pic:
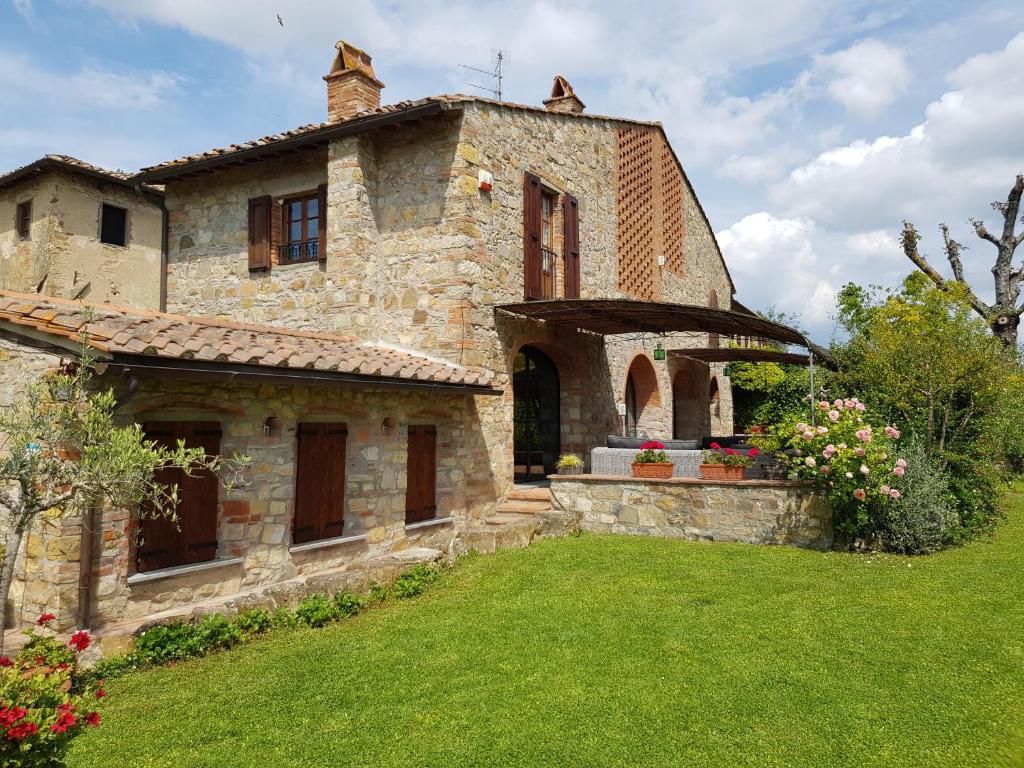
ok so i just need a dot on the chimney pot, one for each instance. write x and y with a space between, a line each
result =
352 87
563 98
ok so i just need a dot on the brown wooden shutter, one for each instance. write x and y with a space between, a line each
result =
322 220
532 264
276 231
421 474
571 247
320 482
259 232
194 538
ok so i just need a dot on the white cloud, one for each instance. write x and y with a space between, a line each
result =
874 244
24 9
866 77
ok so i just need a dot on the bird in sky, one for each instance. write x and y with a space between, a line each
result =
280 20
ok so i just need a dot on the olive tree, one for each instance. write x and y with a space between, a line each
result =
62 451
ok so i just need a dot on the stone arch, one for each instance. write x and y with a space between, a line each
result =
687 416
536 413
642 397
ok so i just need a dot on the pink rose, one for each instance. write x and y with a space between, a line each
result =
893 493
885 490
838 403
861 407
826 469
859 451
849 475
801 427
892 432
810 462
850 403
899 471
901 462
864 469
864 435
842 446
823 430
833 416
859 494
808 435
823 406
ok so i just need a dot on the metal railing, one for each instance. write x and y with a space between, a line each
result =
299 251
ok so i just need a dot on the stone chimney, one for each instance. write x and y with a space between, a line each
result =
352 87
563 98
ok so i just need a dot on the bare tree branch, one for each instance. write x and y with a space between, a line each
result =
981 231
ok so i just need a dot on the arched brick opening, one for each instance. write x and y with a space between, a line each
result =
642 398
687 418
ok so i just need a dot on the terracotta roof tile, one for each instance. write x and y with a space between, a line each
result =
115 330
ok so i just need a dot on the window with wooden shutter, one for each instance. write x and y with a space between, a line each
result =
259 232
193 539
322 222
320 482
532 243
571 247
421 474
23 220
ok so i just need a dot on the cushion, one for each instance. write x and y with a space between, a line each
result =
617 441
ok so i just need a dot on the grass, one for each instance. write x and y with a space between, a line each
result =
602 651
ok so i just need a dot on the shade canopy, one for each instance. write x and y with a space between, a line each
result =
618 316
741 355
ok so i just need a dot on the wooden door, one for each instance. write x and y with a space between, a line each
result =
421 474
320 482
193 539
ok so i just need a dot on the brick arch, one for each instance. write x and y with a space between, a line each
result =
641 368
687 411
568 371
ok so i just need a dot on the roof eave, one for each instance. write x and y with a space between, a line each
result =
369 122
48 164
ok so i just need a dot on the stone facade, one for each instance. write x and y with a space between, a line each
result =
749 511
63 255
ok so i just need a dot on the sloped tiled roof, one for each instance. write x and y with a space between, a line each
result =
115 333
312 129
71 164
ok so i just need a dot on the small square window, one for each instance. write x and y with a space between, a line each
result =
23 220
114 225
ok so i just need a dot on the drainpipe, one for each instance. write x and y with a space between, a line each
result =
85 568
164 221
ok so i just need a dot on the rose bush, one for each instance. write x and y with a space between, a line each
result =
853 464
43 703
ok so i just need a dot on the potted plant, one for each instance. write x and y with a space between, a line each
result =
652 461
569 464
725 463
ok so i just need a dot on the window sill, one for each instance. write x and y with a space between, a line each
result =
428 523
291 266
327 543
181 570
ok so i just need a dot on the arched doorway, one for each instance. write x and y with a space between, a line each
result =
536 424
686 411
641 393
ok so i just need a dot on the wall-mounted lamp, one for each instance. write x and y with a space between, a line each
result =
387 425
272 426
728 369
659 352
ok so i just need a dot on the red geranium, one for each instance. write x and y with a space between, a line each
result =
44 618
80 640
716 447
5 661
730 452
93 719
66 720
753 452
24 730
652 445
9 716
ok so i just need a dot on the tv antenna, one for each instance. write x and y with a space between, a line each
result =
499 60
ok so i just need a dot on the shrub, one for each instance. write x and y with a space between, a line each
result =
414 581
284 619
852 464
254 622
347 604
169 642
316 611
921 520
379 593
44 706
215 633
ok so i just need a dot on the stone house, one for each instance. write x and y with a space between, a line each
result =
71 229
334 301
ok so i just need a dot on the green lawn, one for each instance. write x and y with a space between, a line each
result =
620 651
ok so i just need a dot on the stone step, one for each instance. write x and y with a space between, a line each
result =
530 494
526 507
510 518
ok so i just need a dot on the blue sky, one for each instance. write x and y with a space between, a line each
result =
809 129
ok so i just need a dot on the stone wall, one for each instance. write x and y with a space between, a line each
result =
64 256
750 511
255 518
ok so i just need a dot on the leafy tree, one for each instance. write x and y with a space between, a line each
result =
61 452
1004 315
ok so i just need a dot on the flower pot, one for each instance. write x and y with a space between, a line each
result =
570 470
661 470
721 472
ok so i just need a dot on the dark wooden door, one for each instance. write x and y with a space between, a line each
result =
421 474
320 482
193 538
536 415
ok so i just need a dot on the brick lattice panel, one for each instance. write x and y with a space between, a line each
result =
672 207
635 198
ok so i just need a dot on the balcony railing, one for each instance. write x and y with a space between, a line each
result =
547 273
299 251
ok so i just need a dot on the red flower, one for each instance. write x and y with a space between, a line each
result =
19 732
40 660
652 445
753 452
12 715
716 447
67 706
44 618
100 693
65 721
93 719
5 661
729 452
80 640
